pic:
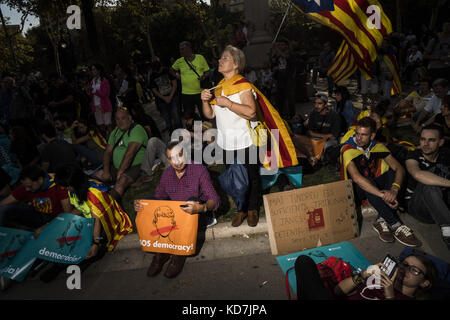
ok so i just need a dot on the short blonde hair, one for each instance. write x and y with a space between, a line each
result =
238 57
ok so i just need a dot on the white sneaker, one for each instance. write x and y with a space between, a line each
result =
212 222
156 165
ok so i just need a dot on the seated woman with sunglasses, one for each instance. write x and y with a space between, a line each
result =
412 279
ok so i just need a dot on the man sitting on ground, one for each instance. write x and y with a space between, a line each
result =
126 148
428 192
441 88
182 182
377 177
46 198
324 122
414 103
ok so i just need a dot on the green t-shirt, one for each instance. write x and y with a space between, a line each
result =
189 80
137 134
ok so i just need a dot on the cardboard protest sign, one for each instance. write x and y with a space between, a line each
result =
164 227
306 218
66 239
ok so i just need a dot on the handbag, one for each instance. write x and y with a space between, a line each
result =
234 181
258 134
205 83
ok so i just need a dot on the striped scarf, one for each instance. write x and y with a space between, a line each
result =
266 113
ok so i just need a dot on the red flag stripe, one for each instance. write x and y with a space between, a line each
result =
346 64
97 203
344 5
107 200
349 35
343 60
348 72
271 124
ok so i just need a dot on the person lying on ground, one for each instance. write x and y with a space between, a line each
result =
413 279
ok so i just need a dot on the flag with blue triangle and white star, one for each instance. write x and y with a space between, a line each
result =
309 6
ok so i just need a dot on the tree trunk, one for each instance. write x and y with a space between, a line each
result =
89 20
149 39
435 13
399 15
58 64
10 43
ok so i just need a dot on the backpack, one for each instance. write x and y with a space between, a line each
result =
332 271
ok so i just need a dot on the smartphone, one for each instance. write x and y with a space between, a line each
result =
389 265
183 206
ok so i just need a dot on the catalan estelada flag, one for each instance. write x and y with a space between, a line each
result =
353 19
375 152
100 204
310 6
391 62
99 139
284 149
343 65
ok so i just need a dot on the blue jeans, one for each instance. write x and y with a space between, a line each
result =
430 204
92 160
383 182
170 111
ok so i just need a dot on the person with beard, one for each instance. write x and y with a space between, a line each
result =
428 195
182 182
377 176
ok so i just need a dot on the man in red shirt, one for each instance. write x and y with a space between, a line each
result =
35 203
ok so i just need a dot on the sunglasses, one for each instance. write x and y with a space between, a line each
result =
412 269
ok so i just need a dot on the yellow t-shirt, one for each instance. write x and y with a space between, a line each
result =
190 84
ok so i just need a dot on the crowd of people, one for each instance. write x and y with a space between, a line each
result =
63 140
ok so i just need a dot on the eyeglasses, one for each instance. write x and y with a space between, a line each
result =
412 269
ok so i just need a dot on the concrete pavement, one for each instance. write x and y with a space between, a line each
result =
223 241
231 264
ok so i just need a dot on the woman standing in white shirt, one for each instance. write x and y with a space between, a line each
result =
232 113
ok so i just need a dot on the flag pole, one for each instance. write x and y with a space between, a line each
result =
282 22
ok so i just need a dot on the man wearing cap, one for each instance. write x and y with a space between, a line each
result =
324 122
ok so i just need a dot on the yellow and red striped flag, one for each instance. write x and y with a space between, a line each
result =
391 62
363 25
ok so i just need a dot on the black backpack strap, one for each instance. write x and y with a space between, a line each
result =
192 68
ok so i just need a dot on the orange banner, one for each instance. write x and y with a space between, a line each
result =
318 145
166 228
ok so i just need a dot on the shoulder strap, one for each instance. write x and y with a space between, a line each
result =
287 282
192 68
118 141
128 131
